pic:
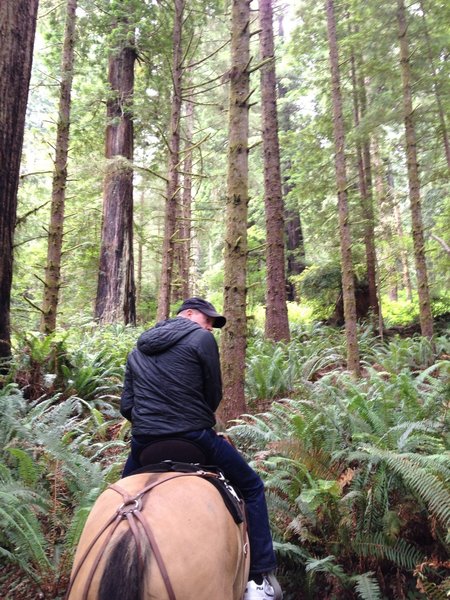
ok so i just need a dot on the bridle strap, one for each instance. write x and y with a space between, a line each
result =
94 566
158 557
115 519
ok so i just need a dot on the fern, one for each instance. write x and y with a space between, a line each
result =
326 565
27 468
424 485
401 553
291 551
78 521
12 410
22 539
367 587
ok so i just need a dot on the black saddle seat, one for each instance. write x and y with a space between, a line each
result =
174 449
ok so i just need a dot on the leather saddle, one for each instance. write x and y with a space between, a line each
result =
186 456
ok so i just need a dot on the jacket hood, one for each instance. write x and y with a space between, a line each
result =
165 334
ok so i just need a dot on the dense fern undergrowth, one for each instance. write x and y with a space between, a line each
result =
356 471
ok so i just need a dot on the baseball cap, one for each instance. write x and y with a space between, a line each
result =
204 307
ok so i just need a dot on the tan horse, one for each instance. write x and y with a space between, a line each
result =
160 536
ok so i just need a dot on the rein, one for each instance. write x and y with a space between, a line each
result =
131 510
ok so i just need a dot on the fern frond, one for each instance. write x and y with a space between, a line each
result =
80 516
295 553
326 565
424 485
367 587
29 470
400 553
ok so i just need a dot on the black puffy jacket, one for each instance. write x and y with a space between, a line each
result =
172 380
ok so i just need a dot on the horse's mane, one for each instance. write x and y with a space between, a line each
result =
123 559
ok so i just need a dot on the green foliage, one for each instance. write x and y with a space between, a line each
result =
53 459
21 539
320 285
62 437
399 312
357 471
274 370
367 586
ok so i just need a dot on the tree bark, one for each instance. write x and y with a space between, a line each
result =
234 336
116 288
276 324
172 190
295 245
406 277
437 92
186 203
391 225
17 31
365 186
56 226
426 319
348 286
181 288
140 250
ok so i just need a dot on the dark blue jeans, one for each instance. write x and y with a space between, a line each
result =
236 469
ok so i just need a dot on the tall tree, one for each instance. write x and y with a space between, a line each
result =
365 181
52 282
17 31
426 319
186 201
172 188
436 87
294 241
277 324
395 209
391 225
116 289
234 335
348 286
295 246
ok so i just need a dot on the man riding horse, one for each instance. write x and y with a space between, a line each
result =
172 388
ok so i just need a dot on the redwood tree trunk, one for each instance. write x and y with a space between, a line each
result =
56 227
348 287
426 319
17 30
277 324
181 285
186 204
436 88
172 190
365 187
406 277
116 288
295 245
234 336
391 225
140 251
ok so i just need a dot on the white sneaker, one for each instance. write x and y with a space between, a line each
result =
265 591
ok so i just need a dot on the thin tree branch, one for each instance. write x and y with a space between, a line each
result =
38 308
24 217
442 242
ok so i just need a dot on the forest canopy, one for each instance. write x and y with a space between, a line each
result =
370 68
